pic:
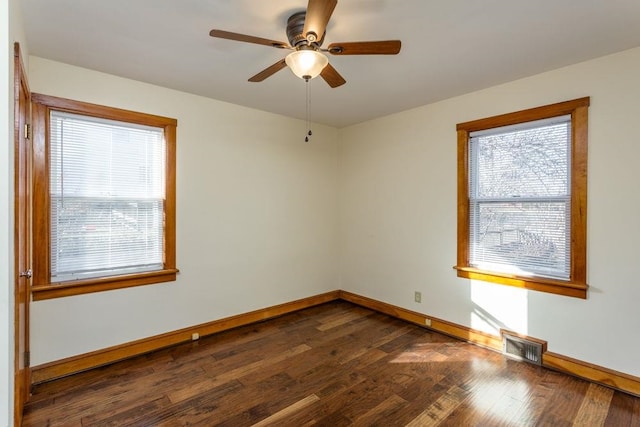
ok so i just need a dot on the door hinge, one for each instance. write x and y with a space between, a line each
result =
27 131
27 273
27 359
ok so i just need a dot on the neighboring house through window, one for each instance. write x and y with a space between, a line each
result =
522 185
104 198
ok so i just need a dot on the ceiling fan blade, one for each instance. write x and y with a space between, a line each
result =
269 71
382 47
332 77
221 34
318 15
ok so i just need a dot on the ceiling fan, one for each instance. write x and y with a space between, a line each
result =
306 32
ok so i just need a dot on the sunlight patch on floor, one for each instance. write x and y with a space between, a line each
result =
449 352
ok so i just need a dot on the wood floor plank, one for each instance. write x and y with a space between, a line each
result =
562 406
287 412
132 413
330 365
595 406
200 408
340 320
440 409
624 411
499 395
381 338
191 390
383 411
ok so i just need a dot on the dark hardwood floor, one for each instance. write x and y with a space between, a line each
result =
332 365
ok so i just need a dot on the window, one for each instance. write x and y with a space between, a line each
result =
104 198
522 198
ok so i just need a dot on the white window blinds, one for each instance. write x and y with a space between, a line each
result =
519 185
107 197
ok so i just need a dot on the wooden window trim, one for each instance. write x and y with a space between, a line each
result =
576 286
42 287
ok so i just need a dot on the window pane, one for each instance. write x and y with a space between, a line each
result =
519 199
102 158
523 163
530 238
107 197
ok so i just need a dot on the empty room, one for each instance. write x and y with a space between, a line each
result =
319 212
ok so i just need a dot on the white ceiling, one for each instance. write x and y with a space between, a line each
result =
449 47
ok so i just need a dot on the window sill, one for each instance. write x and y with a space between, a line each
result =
558 287
79 287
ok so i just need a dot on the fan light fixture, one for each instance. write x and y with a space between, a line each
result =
306 63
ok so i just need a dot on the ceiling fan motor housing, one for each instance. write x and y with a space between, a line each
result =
295 27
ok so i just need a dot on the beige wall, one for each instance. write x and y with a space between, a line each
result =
398 214
256 217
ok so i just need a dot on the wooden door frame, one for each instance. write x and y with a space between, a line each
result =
22 236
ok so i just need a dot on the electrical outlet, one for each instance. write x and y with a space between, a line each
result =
427 322
195 336
417 296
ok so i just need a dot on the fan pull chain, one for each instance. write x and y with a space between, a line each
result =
306 138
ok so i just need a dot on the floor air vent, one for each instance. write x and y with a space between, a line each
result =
522 349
